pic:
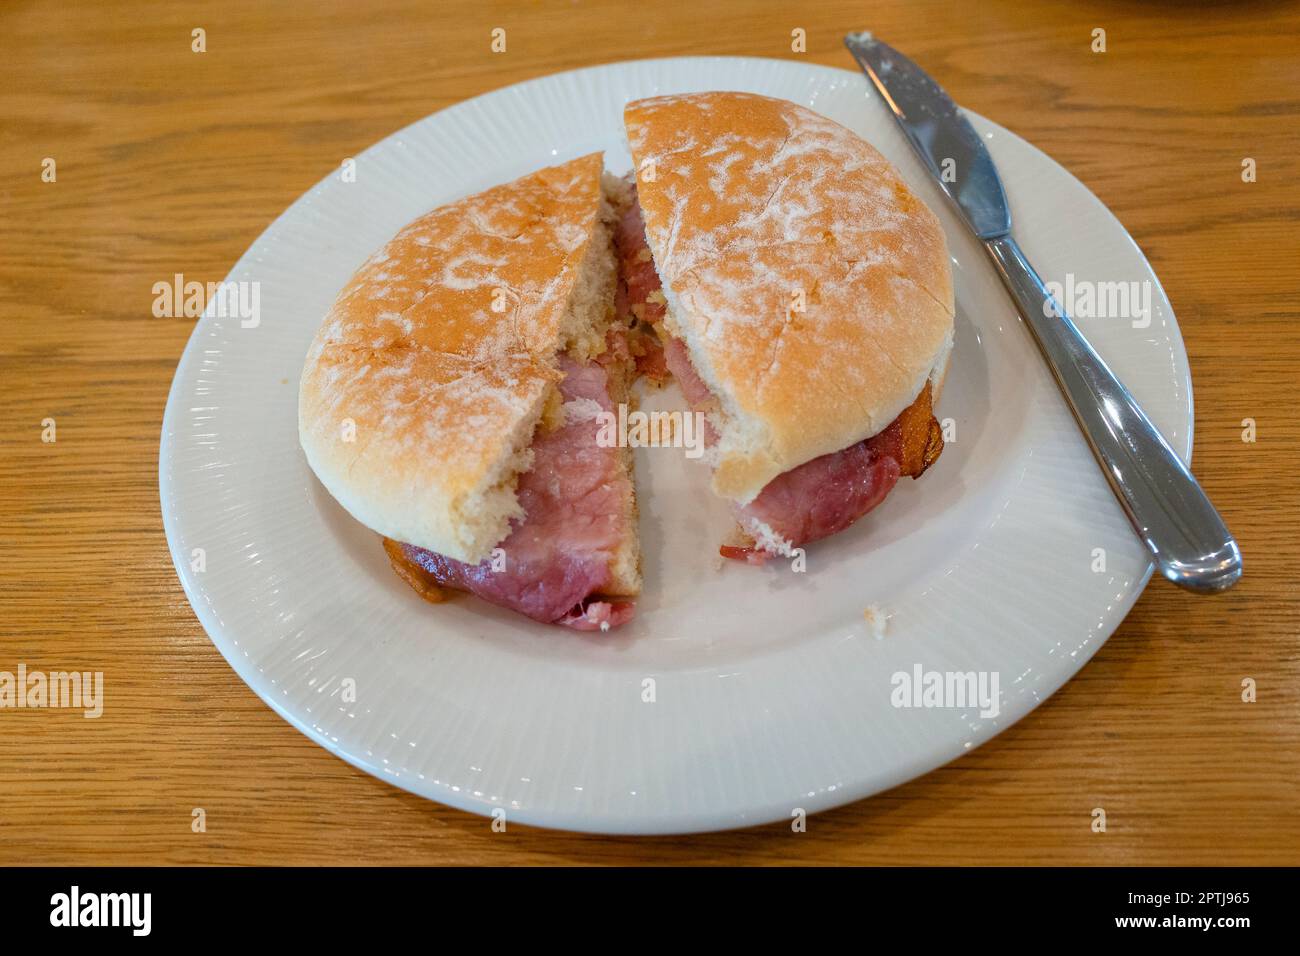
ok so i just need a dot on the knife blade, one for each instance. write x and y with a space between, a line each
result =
940 134
1163 502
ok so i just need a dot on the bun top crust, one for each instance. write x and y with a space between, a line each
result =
422 388
809 285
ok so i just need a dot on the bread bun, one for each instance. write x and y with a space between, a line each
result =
421 391
809 285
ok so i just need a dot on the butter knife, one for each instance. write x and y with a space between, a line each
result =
1167 508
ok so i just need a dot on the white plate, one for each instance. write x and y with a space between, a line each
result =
772 693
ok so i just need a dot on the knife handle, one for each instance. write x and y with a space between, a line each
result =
1166 506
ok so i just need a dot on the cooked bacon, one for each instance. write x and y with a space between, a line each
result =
639 301
819 497
679 363
749 554
598 616
645 298
697 393
557 556
648 353
826 495
914 439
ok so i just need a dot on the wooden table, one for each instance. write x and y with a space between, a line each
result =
173 161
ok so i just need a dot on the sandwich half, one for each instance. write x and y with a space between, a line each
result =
803 298
450 400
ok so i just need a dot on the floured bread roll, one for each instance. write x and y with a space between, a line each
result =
805 301
432 401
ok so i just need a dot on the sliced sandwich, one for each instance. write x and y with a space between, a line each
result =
450 400
804 301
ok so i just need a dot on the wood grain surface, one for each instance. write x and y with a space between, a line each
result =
174 161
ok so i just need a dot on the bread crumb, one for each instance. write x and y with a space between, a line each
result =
877 620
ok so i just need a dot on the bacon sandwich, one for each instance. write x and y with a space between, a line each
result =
448 399
804 300
768 259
